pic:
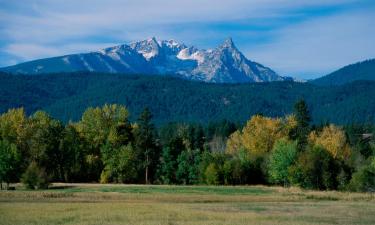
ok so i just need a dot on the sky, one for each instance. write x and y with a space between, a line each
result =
304 39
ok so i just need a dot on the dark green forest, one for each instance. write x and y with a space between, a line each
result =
364 70
66 96
104 146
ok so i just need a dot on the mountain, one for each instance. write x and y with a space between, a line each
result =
359 71
224 64
66 95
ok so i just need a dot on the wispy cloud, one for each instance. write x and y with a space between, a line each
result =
269 30
313 48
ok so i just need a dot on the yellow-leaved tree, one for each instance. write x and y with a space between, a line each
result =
260 134
333 139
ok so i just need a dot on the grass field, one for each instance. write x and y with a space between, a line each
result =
139 204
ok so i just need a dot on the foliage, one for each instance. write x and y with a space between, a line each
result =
96 127
315 169
212 174
146 145
35 177
44 143
119 164
303 119
333 139
9 162
283 155
106 146
260 134
234 143
72 155
364 179
168 162
188 167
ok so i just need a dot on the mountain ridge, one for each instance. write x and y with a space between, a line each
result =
363 70
223 64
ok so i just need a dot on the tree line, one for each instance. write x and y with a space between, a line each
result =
104 146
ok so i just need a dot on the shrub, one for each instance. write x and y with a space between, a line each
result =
35 177
212 175
364 178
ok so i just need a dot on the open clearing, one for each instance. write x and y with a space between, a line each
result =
146 204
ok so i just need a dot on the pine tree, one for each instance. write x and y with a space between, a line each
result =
302 129
147 147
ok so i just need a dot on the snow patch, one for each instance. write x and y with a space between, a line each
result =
66 60
85 63
111 69
185 54
148 55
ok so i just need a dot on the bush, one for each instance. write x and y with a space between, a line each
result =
35 177
364 178
212 175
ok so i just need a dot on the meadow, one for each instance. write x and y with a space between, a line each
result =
164 204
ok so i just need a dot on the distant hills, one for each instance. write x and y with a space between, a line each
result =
359 71
224 64
66 95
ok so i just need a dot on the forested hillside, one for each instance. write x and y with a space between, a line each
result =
65 96
358 71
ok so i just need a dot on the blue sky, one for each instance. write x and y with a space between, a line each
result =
304 38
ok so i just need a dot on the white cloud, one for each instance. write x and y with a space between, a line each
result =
51 21
31 29
317 47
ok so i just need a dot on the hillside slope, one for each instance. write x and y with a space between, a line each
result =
66 96
359 71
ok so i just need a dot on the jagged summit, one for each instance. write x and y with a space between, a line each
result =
223 64
228 43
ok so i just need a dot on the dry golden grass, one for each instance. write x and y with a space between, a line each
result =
135 204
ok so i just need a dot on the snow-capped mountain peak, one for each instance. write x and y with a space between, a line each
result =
148 48
223 64
228 43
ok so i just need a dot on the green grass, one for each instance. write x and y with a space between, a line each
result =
148 205
220 190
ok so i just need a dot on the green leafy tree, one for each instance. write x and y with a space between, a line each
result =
14 127
44 144
9 163
97 126
119 164
72 155
283 155
315 169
